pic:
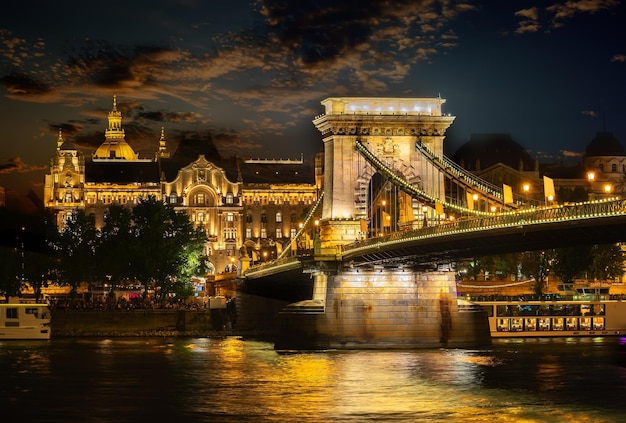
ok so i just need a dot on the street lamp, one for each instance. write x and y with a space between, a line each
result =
424 210
526 190
591 176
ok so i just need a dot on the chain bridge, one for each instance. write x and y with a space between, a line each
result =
392 216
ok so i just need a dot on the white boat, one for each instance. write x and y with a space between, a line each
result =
24 321
588 313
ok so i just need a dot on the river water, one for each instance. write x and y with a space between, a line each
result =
232 379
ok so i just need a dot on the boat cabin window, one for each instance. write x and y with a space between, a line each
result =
32 310
11 313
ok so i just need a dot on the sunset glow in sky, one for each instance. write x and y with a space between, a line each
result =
250 74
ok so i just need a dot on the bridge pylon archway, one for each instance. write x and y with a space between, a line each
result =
389 129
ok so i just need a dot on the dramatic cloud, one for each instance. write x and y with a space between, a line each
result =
563 11
17 165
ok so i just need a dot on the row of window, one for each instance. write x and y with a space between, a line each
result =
613 167
550 324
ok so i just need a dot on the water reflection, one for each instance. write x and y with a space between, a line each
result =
202 380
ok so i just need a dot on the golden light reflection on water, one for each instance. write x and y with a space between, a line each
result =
233 379
368 386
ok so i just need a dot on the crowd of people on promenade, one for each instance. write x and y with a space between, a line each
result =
123 303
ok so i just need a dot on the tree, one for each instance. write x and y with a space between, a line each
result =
10 272
168 246
571 262
115 246
76 245
505 264
607 262
536 264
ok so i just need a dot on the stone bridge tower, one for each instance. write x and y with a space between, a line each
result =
389 128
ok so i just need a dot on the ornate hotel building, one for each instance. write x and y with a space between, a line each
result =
258 204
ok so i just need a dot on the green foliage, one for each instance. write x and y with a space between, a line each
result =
10 271
76 246
607 262
113 252
536 264
168 246
150 243
571 262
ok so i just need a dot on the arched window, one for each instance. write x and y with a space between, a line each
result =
173 198
229 198
613 167
279 217
601 167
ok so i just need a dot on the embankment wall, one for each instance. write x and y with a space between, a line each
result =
137 322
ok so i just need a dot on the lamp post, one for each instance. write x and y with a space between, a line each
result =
382 217
591 178
526 190
425 222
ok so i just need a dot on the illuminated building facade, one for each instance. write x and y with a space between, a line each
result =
258 204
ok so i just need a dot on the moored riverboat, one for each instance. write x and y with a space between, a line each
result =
588 313
24 321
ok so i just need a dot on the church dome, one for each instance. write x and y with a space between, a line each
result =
605 144
118 150
66 145
485 150
115 146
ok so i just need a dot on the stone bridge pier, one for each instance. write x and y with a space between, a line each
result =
382 309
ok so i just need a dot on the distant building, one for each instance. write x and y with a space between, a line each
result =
498 159
258 204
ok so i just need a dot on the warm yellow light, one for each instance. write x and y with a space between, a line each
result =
317 222
607 188
550 198
424 209
384 203
475 197
493 209
591 176
300 225
526 188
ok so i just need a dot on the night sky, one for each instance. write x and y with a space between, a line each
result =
250 75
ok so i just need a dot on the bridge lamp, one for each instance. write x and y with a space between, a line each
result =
424 210
526 188
608 188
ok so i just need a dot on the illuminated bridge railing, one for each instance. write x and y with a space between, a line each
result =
459 174
412 190
561 213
